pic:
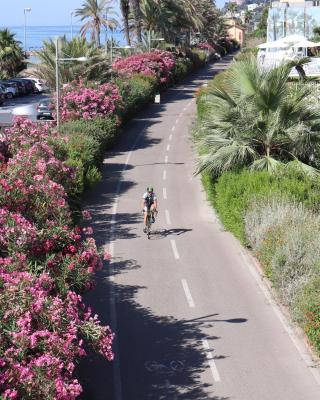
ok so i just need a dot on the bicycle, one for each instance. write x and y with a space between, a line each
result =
149 222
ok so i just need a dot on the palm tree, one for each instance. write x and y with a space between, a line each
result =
137 17
77 47
11 54
255 119
232 8
125 10
94 12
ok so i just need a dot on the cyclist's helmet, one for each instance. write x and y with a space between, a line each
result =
149 189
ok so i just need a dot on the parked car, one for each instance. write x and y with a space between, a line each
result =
44 109
29 87
21 87
2 96
39 84
9 89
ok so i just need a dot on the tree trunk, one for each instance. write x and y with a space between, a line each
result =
98 36
301 72
137 17
125 8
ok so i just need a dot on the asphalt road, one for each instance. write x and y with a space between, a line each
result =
193 317
25 105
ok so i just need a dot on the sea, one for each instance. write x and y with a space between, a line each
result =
35 35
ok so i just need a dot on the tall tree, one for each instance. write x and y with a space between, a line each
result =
125 10
94 12
11 54
77 47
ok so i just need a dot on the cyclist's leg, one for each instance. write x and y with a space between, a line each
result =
145 213
153 207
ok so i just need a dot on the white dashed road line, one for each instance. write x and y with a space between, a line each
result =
164 175
187 293
174 249
164 192
173 128
168 219
170 137
168 147
166 159
177 120
212 364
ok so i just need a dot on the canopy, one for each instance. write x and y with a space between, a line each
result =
293 39
306 43
273 45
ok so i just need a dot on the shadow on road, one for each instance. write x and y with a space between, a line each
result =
163 233
161 357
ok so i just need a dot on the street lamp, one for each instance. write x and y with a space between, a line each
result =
156 39
57 78
28 9
71 15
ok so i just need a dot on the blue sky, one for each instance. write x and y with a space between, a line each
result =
43 12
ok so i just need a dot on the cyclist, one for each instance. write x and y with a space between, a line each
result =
149 202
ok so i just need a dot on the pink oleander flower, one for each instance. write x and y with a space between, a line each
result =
158 64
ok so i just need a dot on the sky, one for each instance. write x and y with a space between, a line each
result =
44 12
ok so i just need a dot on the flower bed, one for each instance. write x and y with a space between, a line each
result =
45 264
158 64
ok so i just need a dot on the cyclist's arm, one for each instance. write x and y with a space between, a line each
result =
155 202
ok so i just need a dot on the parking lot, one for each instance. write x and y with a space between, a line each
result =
25 106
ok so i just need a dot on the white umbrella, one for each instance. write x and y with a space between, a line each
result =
293 39
306 43
273 45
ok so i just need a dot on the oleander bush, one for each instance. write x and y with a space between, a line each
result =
46 263
89 100
157 64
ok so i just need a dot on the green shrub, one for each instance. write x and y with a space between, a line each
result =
285 236
182 68
136 91
103 130
235 190
92 176
308 311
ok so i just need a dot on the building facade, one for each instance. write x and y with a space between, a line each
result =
293 17
235 30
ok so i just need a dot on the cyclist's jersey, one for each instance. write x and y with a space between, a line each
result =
149 199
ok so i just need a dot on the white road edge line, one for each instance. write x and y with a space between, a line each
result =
211 362
174 249
164 192
187 293
168 219
166 159
164 176
168 147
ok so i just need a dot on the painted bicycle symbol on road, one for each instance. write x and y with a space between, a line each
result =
164 368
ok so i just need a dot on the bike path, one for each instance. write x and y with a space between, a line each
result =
192 321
